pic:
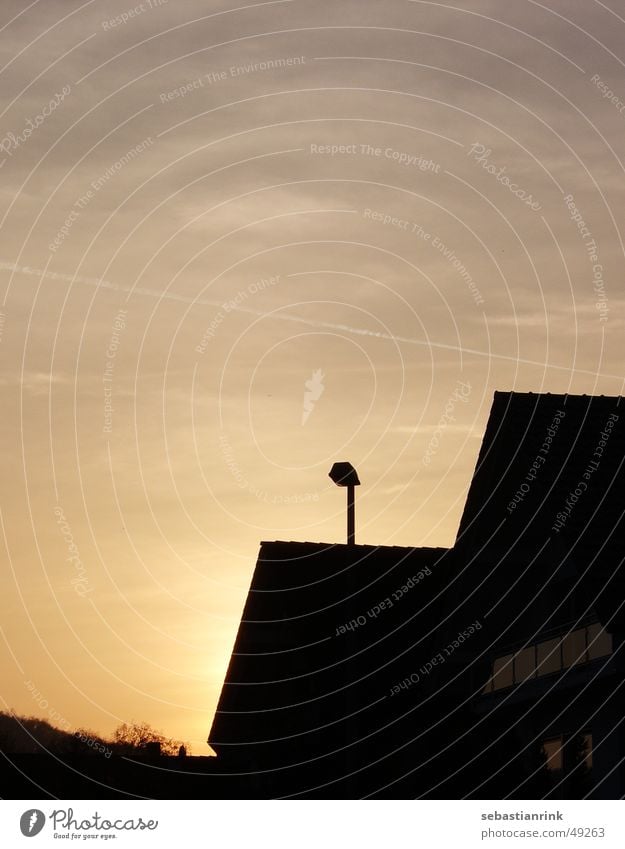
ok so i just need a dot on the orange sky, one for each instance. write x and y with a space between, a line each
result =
209 211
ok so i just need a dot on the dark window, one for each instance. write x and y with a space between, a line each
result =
502 672
566 751
553 752
548 657
525 664
574 647
599 642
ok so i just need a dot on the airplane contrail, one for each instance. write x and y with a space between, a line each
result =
282 316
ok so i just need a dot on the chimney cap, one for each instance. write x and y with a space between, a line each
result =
344 474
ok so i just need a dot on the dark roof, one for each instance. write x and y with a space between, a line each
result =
327 630
538 452
546 505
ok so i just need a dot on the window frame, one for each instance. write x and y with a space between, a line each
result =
559 654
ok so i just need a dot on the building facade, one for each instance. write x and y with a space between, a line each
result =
491 669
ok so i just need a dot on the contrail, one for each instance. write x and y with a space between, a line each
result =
281 316
99 283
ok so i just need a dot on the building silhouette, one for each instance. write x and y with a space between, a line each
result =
491 669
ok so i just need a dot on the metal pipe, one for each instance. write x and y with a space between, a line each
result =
351 516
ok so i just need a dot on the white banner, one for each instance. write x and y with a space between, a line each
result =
314 824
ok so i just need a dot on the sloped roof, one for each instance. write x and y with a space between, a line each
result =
546 505
550 467
326 632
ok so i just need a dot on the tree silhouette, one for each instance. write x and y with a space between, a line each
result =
129 737
32 735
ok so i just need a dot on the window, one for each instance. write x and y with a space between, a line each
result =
548 657
502 672
566 752
574 647
599 642
579 748
553 752
525 664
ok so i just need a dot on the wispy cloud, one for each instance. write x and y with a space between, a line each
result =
279 315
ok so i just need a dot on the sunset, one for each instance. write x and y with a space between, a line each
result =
241 244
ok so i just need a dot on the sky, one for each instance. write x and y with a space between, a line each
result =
240 243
